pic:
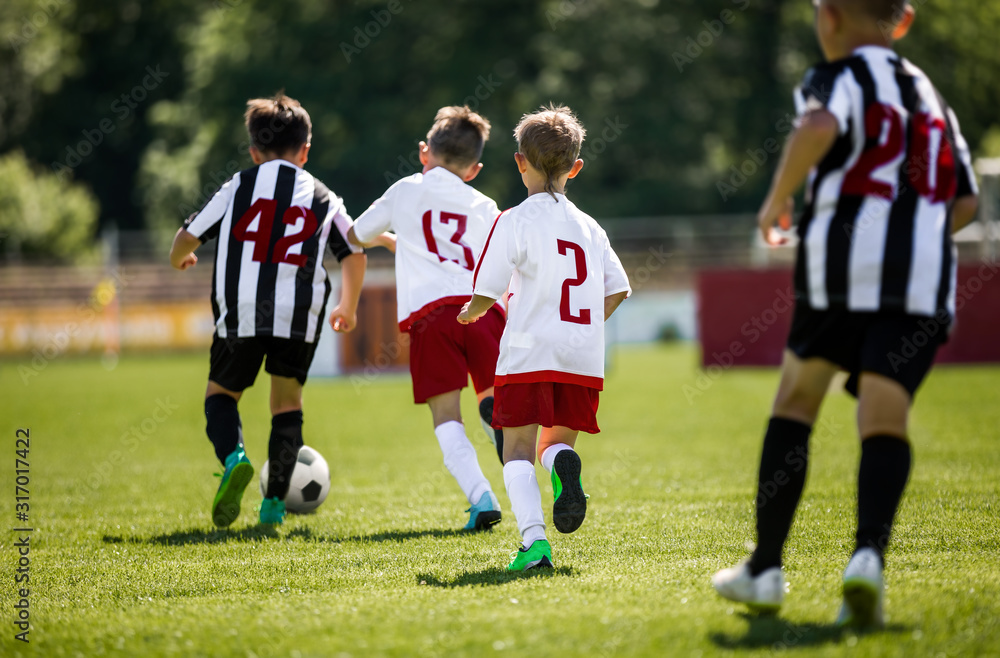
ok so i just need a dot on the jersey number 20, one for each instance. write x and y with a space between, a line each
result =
261 238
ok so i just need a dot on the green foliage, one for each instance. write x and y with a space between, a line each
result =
125 560
44 215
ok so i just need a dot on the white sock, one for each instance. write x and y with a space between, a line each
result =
549 456
460 458
525 499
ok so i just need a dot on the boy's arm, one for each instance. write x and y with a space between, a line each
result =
808 144
963 212
475 308
182 251
386 239
344 317
612 302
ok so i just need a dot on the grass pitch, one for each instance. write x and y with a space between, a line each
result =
124 559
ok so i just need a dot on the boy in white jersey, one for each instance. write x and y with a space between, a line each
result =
564 280
441 224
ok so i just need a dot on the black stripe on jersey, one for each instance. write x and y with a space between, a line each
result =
944 287
234 254
337 242
820 86
304 275
898 256
842 226
284 188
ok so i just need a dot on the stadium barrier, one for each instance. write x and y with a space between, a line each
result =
744 316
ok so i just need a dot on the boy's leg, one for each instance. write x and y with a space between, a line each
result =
461 460
485 399
555 451
785 454
525 497
286 434
222 417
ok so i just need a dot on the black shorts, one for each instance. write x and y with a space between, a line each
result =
895 345
236 361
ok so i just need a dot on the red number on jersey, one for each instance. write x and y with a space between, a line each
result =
565 314
932 177
883 124
261 238
461 222
290 217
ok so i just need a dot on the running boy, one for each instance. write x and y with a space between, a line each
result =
441 224
273 221
565 280
889 181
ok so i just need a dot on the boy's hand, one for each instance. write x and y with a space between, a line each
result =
343 320
775 212
464 317
188 261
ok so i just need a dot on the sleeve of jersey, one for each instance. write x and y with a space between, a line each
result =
376 220
963 165
498 260
825 88
615 278
205 223
337 242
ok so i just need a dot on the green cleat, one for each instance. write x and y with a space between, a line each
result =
238 473
570 505
539 554
272 511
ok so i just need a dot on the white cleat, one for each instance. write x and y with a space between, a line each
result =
762 593
864 591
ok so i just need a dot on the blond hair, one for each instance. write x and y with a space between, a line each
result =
458 135
550 139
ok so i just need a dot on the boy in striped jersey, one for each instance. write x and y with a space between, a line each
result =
274 221
889 180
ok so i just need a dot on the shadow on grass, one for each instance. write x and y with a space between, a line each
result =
773 632
199 536
491 576
263 532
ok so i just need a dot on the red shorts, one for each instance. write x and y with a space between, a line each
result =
548 404
443 353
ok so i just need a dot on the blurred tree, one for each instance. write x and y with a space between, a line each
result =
43 216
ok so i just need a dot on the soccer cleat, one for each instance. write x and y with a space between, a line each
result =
486 418
539 554
569 507
238 473
864 591
272 511
762 593
485 514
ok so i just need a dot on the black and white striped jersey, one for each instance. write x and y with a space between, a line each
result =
875 234
273 222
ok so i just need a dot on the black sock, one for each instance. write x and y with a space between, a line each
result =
784 461
882 475
224 428
282 452
486 413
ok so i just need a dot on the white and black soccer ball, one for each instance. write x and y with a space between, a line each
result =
310 482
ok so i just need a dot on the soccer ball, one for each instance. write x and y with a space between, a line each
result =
310 482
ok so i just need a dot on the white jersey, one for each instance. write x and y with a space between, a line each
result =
559 266
441 224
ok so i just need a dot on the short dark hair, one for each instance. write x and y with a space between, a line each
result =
880 10
458 135
550 139
278 125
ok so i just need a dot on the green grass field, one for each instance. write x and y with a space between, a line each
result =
124 559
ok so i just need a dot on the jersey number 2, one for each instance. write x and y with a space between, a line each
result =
261 238
580 258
